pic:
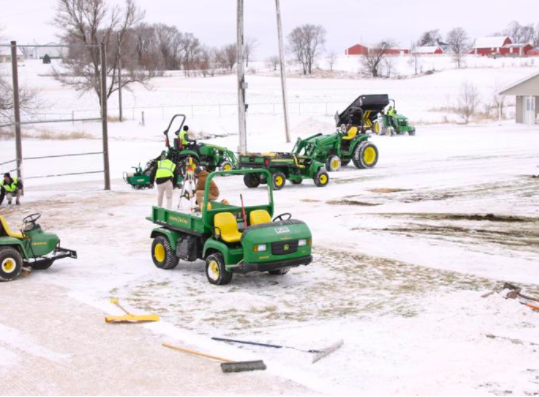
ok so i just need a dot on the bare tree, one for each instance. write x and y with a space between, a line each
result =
332 59
498 101
414 58
389 66
272 62
191 48
468 101
147 48
226 56
429 38
92 22
307 43
251 44
458 42
372 60
169 41
535 41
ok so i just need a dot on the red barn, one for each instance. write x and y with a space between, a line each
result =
518 49
533 52
428 50
491 45
357 49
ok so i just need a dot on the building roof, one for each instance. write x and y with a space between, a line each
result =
524 87
426 49
490 42
7 51
519 45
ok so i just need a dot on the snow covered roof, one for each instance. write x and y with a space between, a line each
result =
526 86
426 49
7 51
490 42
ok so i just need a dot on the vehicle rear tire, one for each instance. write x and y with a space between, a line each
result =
279 272
411 132
279 180
163 255
216 271
333 163
390 131
365 155
321 178
10 264
251 180
377 128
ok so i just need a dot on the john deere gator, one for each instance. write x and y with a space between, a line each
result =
230 238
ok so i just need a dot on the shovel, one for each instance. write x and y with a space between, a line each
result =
130 318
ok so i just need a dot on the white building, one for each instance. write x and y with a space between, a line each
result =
527 99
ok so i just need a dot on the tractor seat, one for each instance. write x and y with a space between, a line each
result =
257 217
352 132
5 232
226 227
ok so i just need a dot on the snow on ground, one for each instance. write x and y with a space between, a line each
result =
402 254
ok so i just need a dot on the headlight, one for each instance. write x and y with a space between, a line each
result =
302 242
260 248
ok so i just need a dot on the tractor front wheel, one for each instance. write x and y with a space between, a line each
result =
163 255
279 180
216 271
333 163
321 178
411 132
251 180
10 264
365 155
227 166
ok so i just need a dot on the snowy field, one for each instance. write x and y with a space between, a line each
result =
402 254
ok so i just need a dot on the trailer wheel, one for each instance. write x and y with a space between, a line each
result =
251 180
321 178
365 155
279 272
10 264
333 163
279 180
163 255
215 270
296 181
377 128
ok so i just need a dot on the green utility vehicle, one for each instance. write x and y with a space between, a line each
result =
394 125
31 247
141 178
231 238
283 166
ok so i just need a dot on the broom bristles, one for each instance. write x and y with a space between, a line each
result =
242 366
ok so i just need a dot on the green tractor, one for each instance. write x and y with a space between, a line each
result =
282 167
211 157
231 238
32 247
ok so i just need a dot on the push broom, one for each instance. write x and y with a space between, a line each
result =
227 366
319 354
130 318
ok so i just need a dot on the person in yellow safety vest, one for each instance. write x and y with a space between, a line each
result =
165 175
183 137
10 187
390 113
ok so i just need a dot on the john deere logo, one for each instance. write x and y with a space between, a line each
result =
286 247
179 220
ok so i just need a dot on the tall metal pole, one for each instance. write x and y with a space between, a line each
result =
241 81
283 71
120 79
104 114
16 109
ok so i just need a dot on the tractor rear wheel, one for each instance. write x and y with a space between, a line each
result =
365 155
251 180
216 271
321 178
163 255
10 264
333 163
279 180
279 272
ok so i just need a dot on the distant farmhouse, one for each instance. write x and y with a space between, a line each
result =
500 46
5 55
428 50
360 49
52 52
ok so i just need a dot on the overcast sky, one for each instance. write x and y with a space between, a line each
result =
347 21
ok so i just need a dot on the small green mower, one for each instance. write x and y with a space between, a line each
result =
32 247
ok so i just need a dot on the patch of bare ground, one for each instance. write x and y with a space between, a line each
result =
351 202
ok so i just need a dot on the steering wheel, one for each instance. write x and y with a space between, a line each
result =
31 218
279 218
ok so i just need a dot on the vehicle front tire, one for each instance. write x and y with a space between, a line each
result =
321 178
10 264
333 163
163 255
251 180
215 270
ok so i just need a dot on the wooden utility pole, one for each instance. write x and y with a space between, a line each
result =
104 115
16 108
242 85
120 78
283 71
